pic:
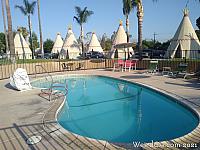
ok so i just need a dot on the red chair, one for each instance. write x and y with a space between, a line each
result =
130 64
118 64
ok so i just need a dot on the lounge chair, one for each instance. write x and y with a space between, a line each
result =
118 64
195 75
153 67
67 66
81 65
130 64
180 72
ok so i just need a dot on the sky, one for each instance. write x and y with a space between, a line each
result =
162 17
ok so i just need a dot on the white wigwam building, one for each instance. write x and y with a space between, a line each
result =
120 38
57 44
21 47
185 43
70 46
94 44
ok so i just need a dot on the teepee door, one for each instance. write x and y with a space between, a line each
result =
178 52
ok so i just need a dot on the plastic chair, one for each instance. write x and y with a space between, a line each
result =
118 64
130 64
153 67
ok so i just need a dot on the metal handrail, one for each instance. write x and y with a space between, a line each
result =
45 72
52 82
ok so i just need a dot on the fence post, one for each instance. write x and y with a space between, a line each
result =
105 64
59 61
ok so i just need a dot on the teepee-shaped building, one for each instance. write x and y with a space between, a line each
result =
71 48
22 49
94 44
185 43
57 44
120 38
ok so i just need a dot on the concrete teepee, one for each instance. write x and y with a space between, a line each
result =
94 44
57 44
120 37
21 47
185 43
70 46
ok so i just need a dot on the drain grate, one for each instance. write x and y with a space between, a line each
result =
33 140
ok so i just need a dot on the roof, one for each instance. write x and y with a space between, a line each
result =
185 37
57 44
21 45
94 44
120 36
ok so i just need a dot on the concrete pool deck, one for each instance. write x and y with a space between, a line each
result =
22 113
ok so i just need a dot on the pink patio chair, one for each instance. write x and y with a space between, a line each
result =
118 64
130 64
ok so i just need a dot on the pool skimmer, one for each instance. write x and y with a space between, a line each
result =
33 140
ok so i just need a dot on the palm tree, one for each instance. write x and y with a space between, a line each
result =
140 14
81 18
28 9
10 32
40 28
127 8
4 23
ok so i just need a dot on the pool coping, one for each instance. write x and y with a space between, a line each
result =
189 140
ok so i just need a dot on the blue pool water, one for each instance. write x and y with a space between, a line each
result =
119 111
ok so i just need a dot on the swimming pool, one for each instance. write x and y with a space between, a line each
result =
119 111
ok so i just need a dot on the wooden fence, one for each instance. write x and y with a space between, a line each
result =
55 65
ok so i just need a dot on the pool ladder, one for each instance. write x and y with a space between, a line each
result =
63 88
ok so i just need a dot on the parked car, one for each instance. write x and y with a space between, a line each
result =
47 55
144 55
3 56
54 56
93 54
97 55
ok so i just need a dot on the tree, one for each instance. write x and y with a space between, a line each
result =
10 33
165 45
106 43
81 18
127 8
40 28
28 9
35 41
148 44
103 41
4 24
113 36
198 23
48 45
140 14
2 43
198 34
24 31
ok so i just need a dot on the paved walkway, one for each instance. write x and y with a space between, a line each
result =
21 113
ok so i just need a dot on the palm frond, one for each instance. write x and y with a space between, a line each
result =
86 14
27 7
127 7
135 3
32 7
77 20
78 10
22 9
82 15
25 2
